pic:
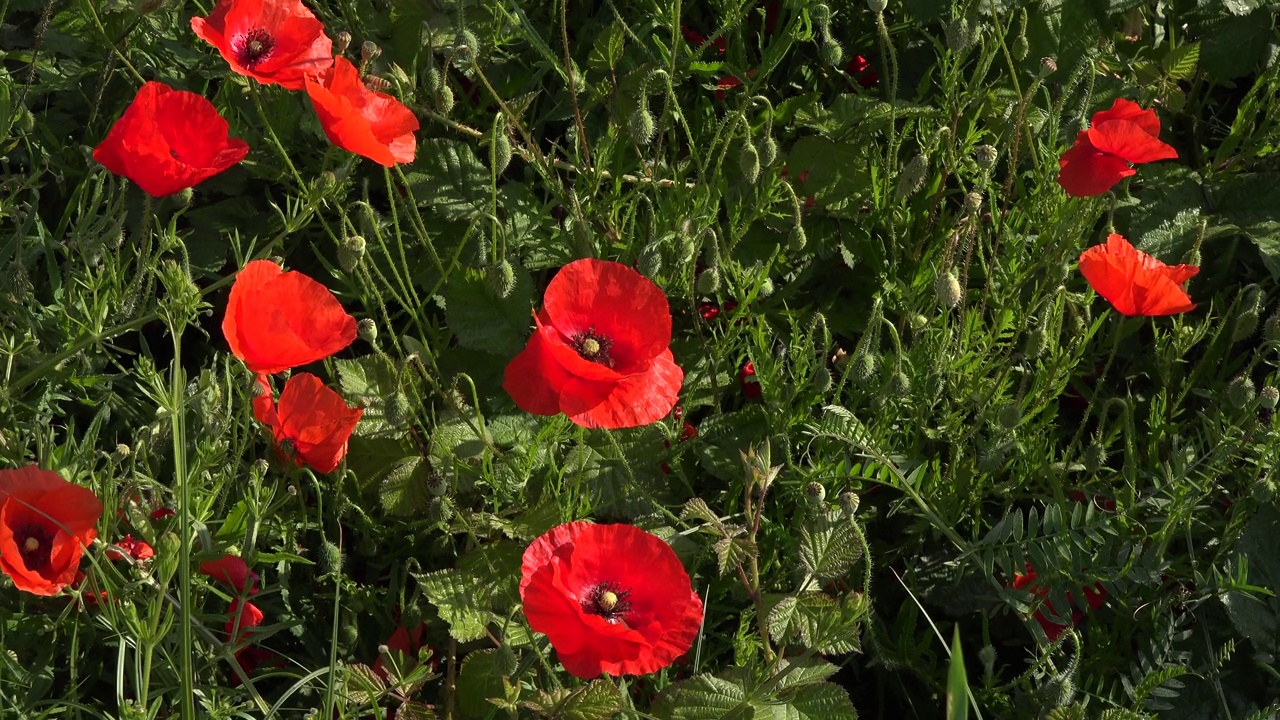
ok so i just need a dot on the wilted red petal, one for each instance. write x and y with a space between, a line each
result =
1135 283
361 120
169 140
278 320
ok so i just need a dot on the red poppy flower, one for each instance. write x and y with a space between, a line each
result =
611 598
232 570
748 382
1094 596
695 39
277 320
406 643
169 140
311 418
45 525
599 354
162 513
136 549
1101 156
360 120
244 617
724 84
276 42
860 68
1134 282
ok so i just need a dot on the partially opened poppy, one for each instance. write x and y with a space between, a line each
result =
276 42
278 320
311 419
611 599
45 525
128 546
232 570
599 354
361 120
1054 627
1102 154
1134 282
169 140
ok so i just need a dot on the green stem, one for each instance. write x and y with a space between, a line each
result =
177 419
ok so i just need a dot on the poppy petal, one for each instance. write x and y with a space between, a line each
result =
1135 283
1129 141
1130 111
633 401
615 301
317 420
1085 172
534 378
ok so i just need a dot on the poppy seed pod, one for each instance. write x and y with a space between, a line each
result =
1269 397
849 502
351 252
877 6
948 290
367 330
369 50
816 495
986 155
1048 66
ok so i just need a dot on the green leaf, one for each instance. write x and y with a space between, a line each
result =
1232 46
366 382
794 672
835 174
820 701
957 681
818 621
829 545
405 488
704 697
732 552
1181 62
451 179
455 437
598 701
481 320
480 679
456 598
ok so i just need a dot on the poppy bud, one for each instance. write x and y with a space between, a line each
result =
444 100
749 161
972 203
350 634
367 330
1246 325
768 150
709 281
641 124
822 381
987 656
766 287
1095 457
466 46
330 558
1271 331
1060 691
1037 342
865 364
501 278
351 252
911 177
797 239
399 411
831 52
991 459
947 288
900 384
441 509
1269 397
499 149
877 6
816 495
342 42
986 155
1048 66
1009 416
433 80
650 261
369 50
958 35
1021 48
184 197
849 503
1240 391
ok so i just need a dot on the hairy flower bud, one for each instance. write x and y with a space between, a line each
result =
1095 457
911 177
1240 391
865 365
798 239
444 100
900 384
1021 48
709 281
821 16
433 80
948 290
766 288
399 412
831 52
749 161
650 261
768 150
367 330
466 46
958 34
501 278
640 123
351 252
1037 342
1009 416
441 509
499 148
330 558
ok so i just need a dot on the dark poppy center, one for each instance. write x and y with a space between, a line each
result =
593 346
254 47
608 600
35 543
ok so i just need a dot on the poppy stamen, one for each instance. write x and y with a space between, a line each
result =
593 346
254 47
608 600
35 545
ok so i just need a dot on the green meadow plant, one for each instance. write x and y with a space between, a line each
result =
737 359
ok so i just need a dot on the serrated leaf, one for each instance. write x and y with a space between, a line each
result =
455 437
697 509
829 545
732 552
478 680
818 621
819 701
456 598
405 488
481 320
705 697
414 710
366 382
598 701
450 178
794 672
363 684
1181 62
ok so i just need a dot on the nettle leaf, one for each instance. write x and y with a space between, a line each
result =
457 598
372 460
481 320
820 701
414 710
480 679
704 697
366 382
455 437
598 701
732 552
405 488
451 179
818 621
829 545
794 672
363 685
